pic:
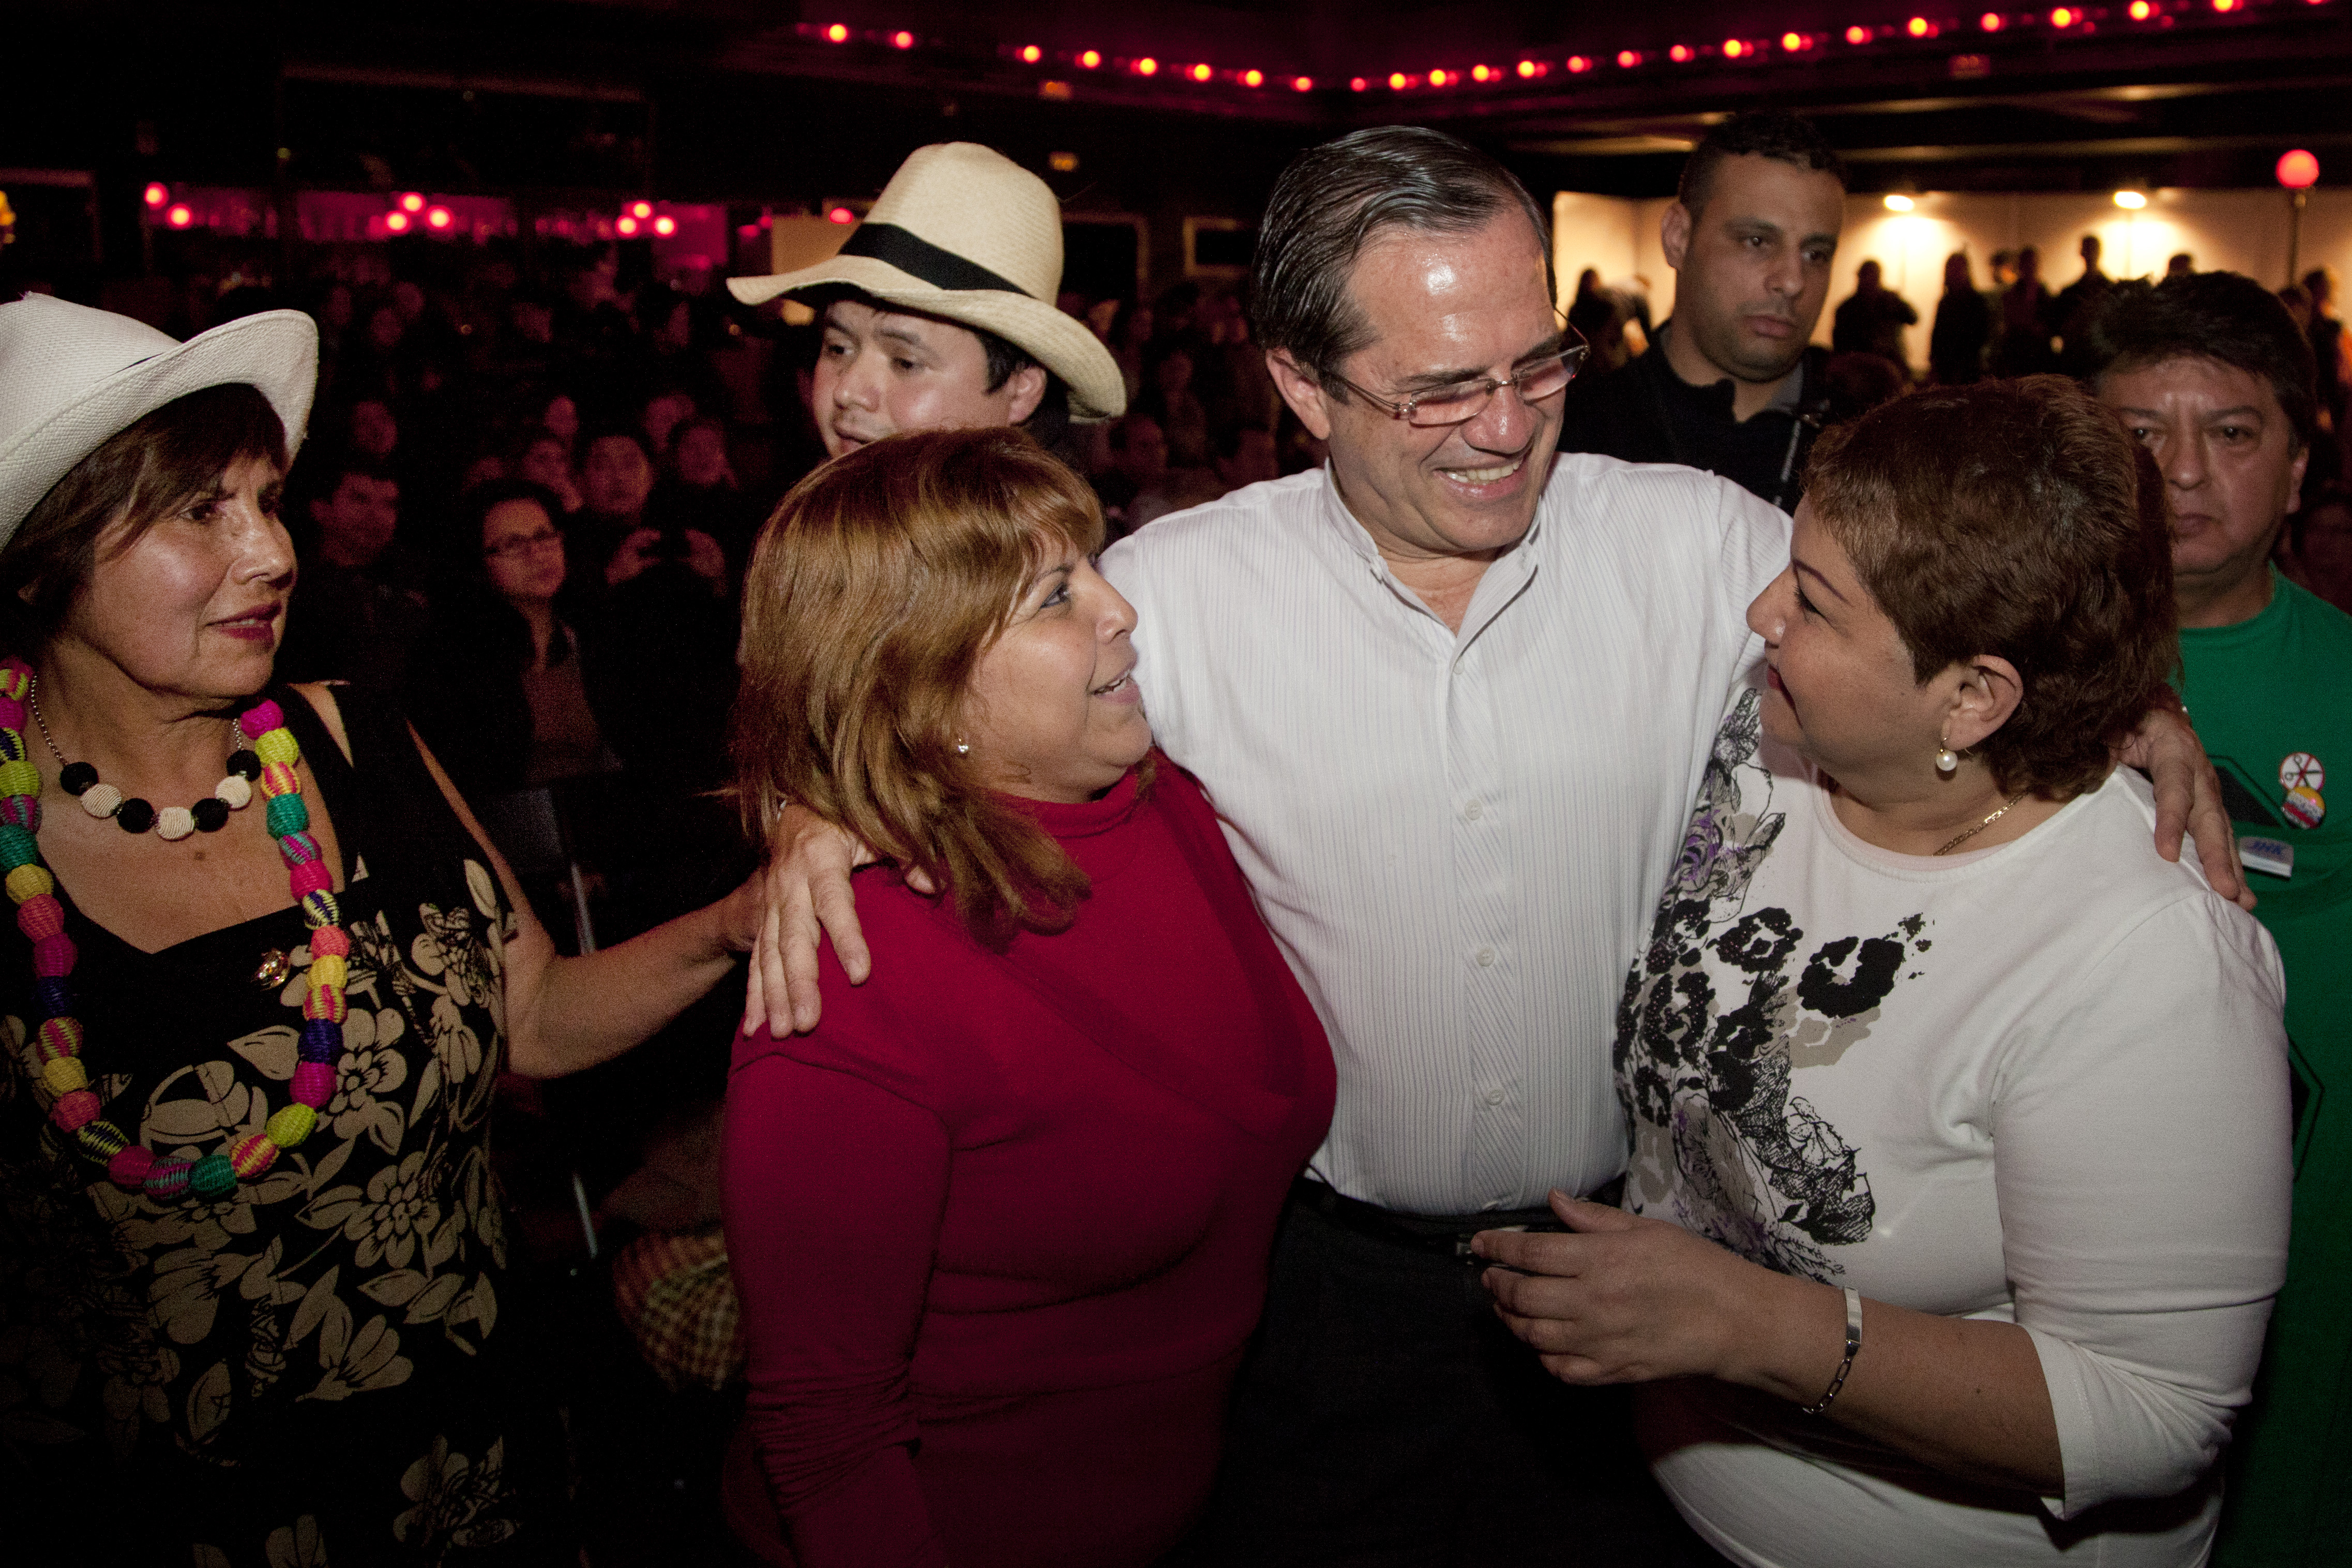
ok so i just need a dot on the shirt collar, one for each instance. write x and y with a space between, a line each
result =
1359 539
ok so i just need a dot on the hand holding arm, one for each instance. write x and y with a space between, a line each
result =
1628 1300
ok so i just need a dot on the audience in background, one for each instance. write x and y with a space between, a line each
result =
2070 312
1872 319
362 607
1963 329
2022 347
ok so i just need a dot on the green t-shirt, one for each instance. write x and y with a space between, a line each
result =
2272 698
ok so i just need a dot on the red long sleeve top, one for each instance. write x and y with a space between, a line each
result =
1001 1224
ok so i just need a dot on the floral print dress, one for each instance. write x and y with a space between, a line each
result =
309 1371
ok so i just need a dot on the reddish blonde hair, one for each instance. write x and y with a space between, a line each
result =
875 588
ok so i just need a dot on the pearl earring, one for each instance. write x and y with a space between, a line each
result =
963 747
1947 762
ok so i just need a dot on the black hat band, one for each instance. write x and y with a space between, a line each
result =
918 257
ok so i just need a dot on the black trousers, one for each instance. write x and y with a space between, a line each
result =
1385 1416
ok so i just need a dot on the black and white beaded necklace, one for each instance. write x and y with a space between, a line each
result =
132 814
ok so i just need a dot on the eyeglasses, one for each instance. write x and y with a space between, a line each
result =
1459 402
523 544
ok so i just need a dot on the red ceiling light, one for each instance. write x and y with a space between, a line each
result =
2225 5
2298 171
395 220
1920 27
2141 10
1147 65
438 217
1398 81
1439 77
641 209
840 214
181 216
1529 69
1857 33
157 194
1091 58
1733 48
1991 21
836 33
2062 17
1031 54
1578 65
1302 84
1679 53
1479 73
1356 84
627 225
410 202
902 40
664 225
1793 42
1202 73
1253 77
1629 58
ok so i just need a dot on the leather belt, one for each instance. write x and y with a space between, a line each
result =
1447 1236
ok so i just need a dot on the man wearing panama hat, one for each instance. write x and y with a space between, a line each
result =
939 311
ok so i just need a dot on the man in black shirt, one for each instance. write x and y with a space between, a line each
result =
1729 385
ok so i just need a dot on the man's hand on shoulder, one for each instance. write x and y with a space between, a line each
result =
2188 796
809 898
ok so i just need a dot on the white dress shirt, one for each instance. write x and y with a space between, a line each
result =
1456 840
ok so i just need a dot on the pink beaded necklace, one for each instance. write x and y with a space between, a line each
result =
58 1041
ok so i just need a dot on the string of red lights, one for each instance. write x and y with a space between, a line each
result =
2076 21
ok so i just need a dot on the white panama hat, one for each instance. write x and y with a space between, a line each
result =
70 377
963 232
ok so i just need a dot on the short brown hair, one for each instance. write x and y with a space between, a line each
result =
139 476
875 587
2015 518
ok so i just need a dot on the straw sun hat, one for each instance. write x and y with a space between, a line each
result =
964 233
70 377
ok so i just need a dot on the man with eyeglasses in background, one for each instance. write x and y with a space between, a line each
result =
1452 699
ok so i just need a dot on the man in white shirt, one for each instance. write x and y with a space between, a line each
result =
1452 700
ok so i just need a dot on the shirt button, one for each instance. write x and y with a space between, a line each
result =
1486 958
1493 1096
1474 811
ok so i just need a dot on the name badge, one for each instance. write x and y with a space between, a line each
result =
2272 855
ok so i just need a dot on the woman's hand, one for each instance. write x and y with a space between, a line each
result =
1627 1300
2188 794
807 895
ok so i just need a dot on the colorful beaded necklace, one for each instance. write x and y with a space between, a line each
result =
42 918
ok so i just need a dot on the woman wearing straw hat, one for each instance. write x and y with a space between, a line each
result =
939 311
253 1289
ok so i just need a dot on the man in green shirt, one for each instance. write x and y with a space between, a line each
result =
2213 376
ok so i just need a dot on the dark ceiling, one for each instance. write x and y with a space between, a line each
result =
742 100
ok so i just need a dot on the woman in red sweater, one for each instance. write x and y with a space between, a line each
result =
1001 1224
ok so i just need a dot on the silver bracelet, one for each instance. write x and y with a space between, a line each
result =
1852 1343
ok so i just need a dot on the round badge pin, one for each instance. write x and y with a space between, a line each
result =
2302 771
2303 807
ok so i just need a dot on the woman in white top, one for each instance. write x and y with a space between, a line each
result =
1959 1176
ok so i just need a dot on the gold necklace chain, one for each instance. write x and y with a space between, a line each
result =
1980 827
